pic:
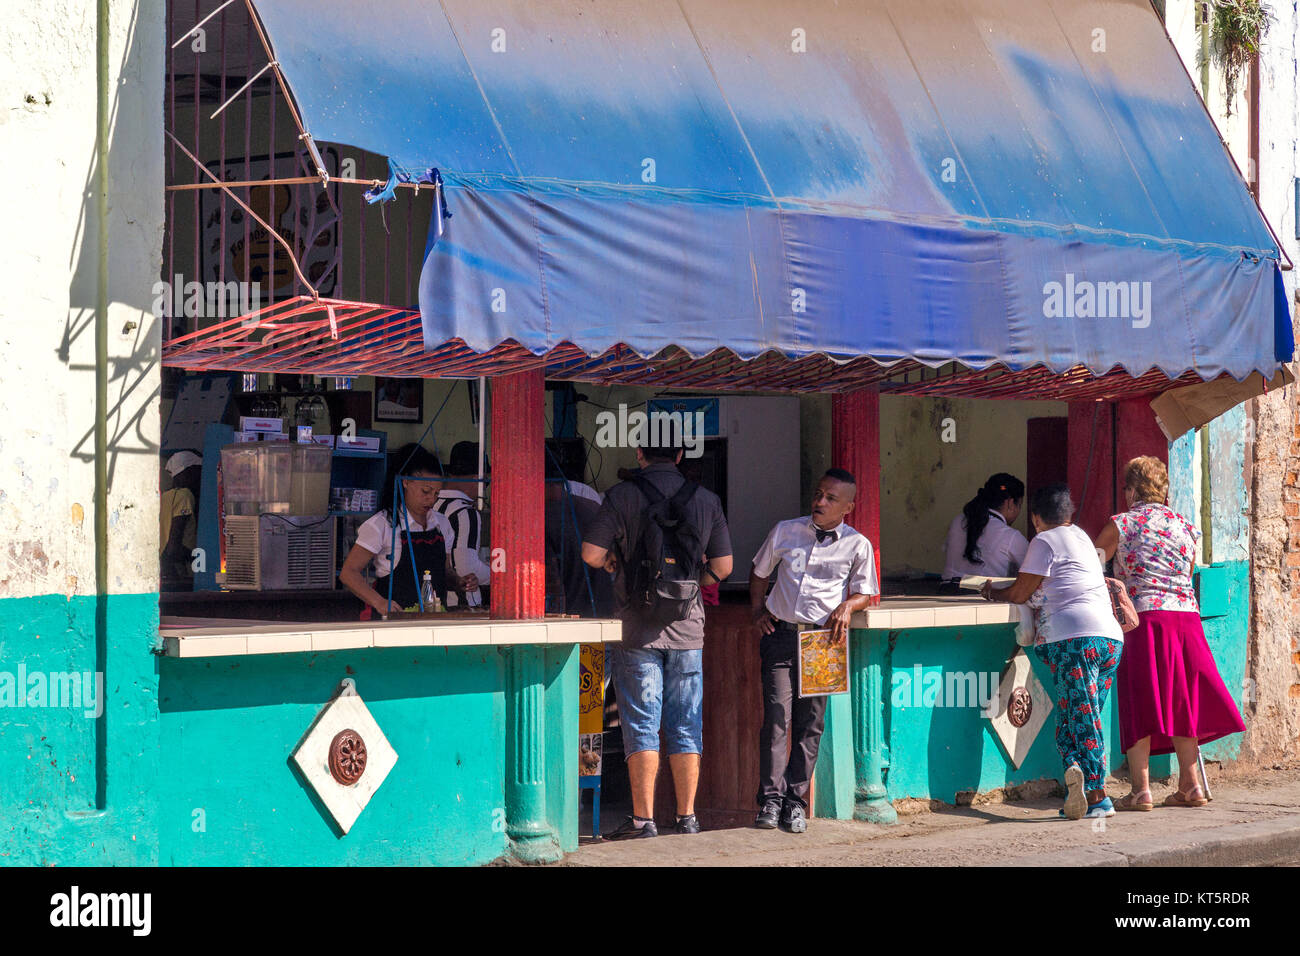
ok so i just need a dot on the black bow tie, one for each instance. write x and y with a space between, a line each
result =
823 535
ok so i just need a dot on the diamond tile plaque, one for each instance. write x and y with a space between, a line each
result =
1021 709
345 757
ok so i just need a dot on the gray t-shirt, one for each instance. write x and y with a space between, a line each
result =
617 528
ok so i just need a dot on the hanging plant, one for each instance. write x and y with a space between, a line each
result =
1237 31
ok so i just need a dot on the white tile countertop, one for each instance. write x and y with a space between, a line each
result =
197 637
204 637
899 613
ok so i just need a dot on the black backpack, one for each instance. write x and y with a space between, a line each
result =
663 574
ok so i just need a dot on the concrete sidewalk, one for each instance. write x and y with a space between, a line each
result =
1252 821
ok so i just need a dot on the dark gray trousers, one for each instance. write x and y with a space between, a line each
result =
779 778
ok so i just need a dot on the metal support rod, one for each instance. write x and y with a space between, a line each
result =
482 436
251 80
194 29
249 209
102 27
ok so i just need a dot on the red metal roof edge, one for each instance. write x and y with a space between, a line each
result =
300 336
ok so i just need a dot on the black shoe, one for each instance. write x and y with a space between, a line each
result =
768 816
688 824
793 819
630 831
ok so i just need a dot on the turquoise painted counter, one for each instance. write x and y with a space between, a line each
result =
940 751
228 726
189 761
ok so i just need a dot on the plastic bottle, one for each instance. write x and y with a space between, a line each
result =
428 596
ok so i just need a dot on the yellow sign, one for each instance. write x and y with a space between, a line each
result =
823 663
591 688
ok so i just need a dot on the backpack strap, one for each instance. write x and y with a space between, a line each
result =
647 488
684 494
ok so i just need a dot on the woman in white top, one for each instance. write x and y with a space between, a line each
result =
1083 647
981 540
422 534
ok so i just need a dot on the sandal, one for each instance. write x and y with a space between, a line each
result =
1180 799
1130 802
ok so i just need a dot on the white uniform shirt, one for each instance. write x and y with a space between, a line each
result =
814 579
376 535
1001 548
466 536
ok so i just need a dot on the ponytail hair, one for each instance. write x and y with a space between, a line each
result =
996 491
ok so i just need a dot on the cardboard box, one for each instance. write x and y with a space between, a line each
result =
249 424
359 443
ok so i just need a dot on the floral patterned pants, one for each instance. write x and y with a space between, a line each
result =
1083 669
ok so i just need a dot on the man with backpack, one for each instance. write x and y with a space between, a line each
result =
663 537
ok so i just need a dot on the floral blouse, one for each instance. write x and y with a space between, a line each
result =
1157 550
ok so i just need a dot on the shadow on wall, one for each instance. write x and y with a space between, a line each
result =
133 254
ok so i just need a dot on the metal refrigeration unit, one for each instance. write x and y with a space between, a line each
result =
279 533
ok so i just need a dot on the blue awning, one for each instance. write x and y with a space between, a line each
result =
1015 182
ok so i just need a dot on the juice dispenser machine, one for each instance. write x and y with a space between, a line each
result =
278 530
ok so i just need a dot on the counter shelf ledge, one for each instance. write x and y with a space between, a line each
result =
903 613
197 637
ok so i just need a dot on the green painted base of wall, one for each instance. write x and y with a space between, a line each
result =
50 778
834 776
938 752
230 724
196 753
1226 636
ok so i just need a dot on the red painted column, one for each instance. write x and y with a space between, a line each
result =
1123 430
855 446
518 510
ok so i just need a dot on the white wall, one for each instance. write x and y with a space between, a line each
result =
50 251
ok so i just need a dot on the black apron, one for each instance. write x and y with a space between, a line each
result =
430 555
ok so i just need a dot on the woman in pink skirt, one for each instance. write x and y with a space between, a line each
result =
1170 695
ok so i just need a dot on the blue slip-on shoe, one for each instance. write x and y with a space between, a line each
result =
1103 808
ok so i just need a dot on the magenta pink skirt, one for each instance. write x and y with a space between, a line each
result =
1168 684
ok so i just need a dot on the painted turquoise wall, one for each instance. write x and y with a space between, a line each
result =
49 773
215 735
230 724
1227 639
936 752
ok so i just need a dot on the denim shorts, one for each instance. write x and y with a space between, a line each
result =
654 683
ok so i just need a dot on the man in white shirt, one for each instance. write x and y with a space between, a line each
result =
466 522
825 572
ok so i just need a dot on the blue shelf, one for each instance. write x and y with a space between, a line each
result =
347 453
